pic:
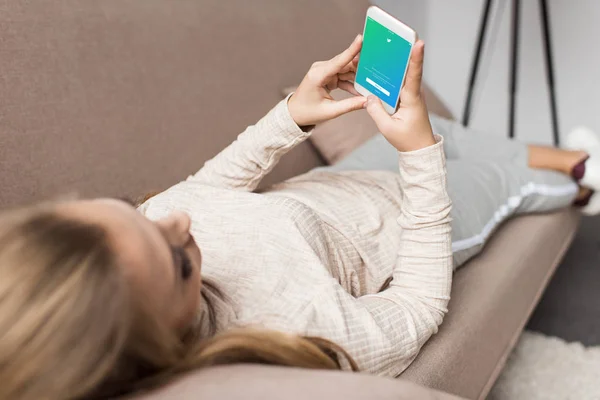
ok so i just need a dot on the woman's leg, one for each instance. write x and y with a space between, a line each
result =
484 192
462 143
377 154
459 143
488 187
487 192
468 144
465 143
492 179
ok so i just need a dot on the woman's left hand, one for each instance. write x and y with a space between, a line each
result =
312 102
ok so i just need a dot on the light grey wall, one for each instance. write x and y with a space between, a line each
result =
449 29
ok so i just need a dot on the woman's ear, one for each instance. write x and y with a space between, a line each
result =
176 228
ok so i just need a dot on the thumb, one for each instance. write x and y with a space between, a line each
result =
378 113
347 105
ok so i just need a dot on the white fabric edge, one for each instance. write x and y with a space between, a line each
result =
511 204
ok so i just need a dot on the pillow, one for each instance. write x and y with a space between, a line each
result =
337 138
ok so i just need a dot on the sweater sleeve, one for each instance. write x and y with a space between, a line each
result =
255 152
384 332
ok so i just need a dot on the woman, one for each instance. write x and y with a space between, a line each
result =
332 269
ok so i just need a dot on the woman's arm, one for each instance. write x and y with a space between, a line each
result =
414 305
385 331
255 153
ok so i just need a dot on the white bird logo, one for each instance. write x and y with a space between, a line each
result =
389 40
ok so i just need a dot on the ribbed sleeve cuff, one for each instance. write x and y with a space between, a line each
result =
286 124
424 165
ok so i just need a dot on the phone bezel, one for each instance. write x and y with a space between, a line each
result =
400 29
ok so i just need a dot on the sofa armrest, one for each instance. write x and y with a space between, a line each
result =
259 382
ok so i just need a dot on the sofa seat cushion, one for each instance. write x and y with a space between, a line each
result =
492 298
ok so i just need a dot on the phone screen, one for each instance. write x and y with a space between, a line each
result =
383 62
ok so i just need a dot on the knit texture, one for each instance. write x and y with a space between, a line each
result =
311 255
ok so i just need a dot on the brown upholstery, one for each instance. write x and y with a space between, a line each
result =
253 382
492 298
121 97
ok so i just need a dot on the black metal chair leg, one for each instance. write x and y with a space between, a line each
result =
475 66
549 68
516 8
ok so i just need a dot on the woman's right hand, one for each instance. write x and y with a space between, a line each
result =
409 128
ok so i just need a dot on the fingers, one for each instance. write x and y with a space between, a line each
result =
378 114
348 76
337 108
348 87
350 67
332 84
340 61
414 75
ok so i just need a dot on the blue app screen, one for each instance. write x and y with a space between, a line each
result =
383 62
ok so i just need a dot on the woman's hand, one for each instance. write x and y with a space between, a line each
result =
409 128
312 102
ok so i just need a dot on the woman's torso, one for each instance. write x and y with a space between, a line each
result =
271 254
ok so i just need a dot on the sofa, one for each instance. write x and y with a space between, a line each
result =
125 97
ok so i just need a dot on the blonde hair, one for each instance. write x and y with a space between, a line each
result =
71 328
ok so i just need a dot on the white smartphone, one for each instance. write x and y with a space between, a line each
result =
386 49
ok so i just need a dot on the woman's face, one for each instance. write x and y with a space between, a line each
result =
160 259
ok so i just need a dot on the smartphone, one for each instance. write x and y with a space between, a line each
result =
386 49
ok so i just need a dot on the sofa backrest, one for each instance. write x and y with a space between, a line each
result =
122 97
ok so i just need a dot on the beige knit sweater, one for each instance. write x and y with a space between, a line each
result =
310 255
